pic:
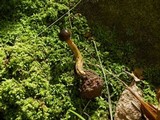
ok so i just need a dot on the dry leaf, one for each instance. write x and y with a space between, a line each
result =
128 107
126 111
158 98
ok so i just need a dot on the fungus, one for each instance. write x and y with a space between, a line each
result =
92 83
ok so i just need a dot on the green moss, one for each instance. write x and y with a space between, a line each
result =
37 70
37 79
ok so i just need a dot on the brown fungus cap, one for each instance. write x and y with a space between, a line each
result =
64 35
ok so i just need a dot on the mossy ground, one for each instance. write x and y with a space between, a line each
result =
37 79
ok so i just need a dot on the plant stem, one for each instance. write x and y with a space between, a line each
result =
78 115
104 75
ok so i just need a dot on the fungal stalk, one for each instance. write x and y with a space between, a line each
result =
92 84
65 35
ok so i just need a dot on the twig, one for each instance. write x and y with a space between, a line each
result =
136 79
85 109
17 38
104 75
114 75
86 105
69 17
60 17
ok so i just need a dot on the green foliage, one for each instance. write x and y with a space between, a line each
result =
37 79
36 69
149 92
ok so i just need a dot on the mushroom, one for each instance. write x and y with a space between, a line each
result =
92 83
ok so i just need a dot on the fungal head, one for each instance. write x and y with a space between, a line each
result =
64 35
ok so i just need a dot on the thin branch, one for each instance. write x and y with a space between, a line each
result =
136 79
60 17
69 17
85 109
104 75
